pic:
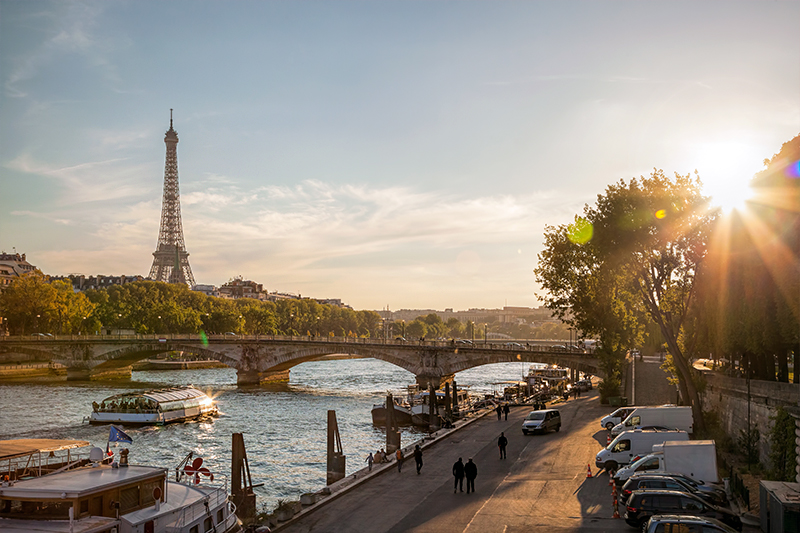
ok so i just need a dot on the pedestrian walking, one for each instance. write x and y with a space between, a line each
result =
502 442
499 411
418 458
370 460
579 392
399 455
506 410
458 474
471 472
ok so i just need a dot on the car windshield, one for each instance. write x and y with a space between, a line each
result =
536 415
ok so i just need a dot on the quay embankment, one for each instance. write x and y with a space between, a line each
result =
23 371
541 486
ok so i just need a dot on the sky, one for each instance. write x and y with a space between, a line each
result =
390 154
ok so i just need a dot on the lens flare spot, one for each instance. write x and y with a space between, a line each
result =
204 338
580 232
661 213
793 169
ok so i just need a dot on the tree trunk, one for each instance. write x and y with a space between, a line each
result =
686 383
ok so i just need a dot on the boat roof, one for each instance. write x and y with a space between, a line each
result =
179 496
162 395
79 482
10 449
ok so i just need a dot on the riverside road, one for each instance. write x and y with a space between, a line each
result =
541 486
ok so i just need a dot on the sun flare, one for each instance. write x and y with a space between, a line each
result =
726 169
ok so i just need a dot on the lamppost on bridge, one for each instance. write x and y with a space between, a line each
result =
403 322
37 323
291 325
485 333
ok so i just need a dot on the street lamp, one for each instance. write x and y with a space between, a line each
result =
404 328
485 333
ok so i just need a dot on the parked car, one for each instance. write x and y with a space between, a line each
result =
402 339
655 481
541 421
42 335
515 345
558 348
464 341
584 384
690 524
643 504
716 490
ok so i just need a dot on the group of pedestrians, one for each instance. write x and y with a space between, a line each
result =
460 471
502 410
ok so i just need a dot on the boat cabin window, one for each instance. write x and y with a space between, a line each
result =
208 525
55 510
194 529
220 516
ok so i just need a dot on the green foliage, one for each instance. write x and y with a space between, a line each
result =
34 305
647 238
748 444
782 448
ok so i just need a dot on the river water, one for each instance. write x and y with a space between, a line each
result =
284 426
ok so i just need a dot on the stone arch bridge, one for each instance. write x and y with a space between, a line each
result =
262 359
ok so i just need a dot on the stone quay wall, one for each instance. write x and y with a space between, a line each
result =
728 397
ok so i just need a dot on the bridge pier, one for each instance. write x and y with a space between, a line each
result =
425 382
254 377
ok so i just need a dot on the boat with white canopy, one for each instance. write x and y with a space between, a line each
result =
154 407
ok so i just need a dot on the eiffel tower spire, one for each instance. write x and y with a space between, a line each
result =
171 260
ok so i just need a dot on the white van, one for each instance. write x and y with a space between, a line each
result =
632 444
616 417
666 417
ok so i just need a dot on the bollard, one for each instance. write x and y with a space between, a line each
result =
614 495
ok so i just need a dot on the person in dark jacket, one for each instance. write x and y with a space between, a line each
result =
499 412
471 472
506 410
502 442
458 473
418 458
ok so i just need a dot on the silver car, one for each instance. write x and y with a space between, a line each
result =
541 421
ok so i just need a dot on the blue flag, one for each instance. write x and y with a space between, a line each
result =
117 435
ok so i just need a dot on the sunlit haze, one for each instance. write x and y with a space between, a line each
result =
400 154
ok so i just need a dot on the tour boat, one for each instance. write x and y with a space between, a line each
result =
153 407
47 490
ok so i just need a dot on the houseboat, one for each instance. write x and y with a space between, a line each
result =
155 407
54 486
420 410
402 413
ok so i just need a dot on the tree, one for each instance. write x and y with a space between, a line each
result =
632 257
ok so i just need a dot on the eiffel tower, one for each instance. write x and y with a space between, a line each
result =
171 260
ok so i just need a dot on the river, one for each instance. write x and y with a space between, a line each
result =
284 426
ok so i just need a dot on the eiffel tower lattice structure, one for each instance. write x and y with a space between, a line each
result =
171 260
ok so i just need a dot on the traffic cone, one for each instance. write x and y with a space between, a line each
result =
616 509
608 441
588 471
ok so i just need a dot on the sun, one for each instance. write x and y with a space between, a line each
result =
726 169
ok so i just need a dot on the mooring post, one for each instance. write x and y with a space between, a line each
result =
433 409
242 494
455 399
392 432
336 459
448 406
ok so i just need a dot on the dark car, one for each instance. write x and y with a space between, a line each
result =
642 504
716 491
541 421
689 524
650 482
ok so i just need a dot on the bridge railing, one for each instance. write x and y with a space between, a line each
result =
233 338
